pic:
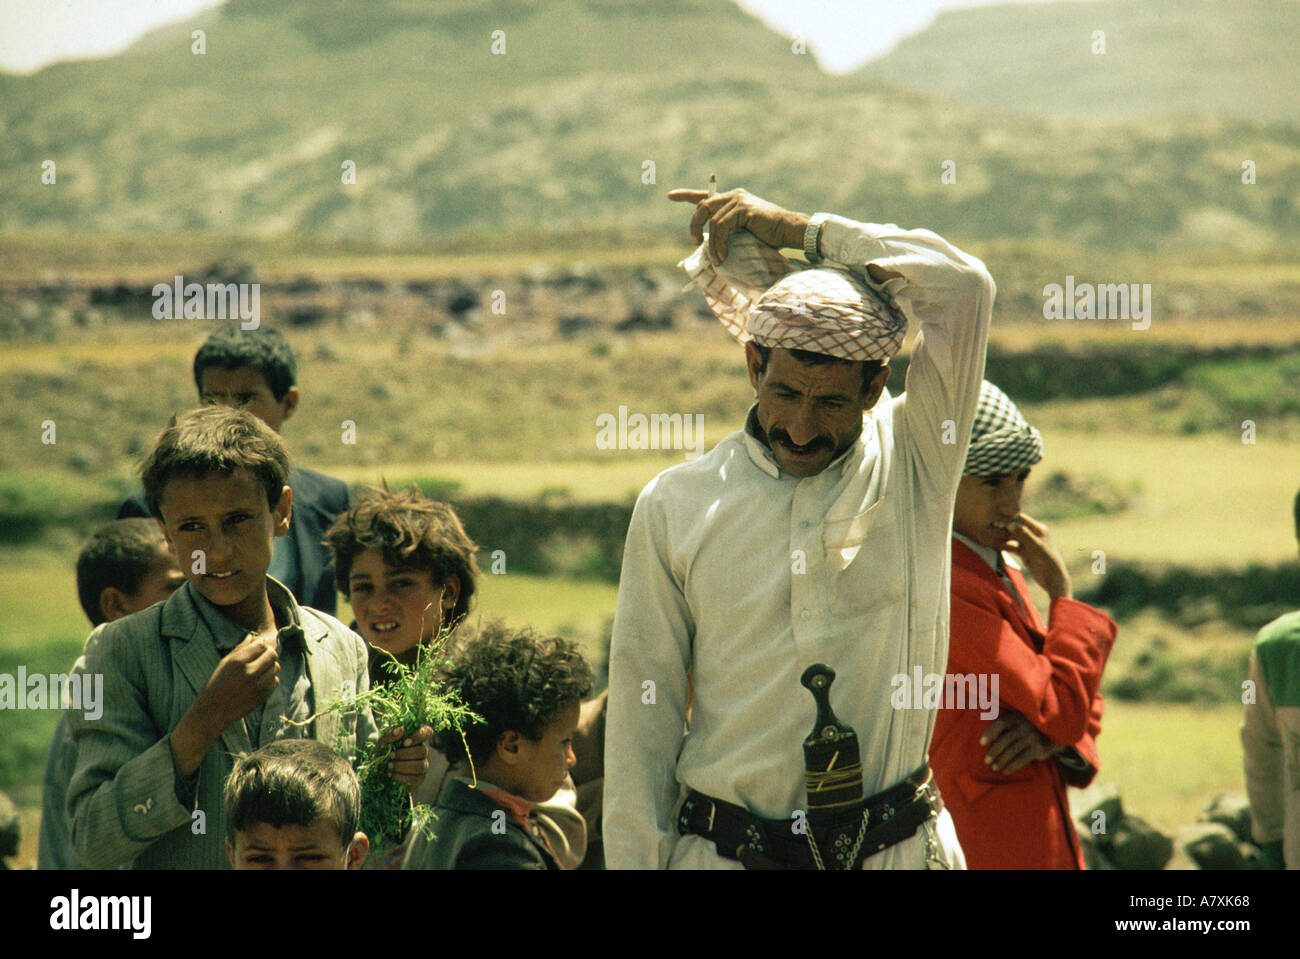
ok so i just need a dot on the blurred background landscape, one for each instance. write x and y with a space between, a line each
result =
536 179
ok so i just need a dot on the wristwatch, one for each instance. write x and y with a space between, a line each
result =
810 237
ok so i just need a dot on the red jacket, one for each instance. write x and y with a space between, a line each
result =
1049 675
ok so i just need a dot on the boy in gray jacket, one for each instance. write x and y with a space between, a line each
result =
229 663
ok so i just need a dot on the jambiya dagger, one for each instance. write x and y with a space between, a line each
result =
833 776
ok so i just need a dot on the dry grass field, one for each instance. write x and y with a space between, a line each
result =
501 417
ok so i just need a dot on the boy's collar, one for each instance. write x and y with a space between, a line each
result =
187 608
989 556
986 553
520 809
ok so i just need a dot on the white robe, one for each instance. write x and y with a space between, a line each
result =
745 576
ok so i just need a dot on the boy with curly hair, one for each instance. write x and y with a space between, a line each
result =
528 691
406 566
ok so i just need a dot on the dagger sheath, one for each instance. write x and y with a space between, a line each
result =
832 761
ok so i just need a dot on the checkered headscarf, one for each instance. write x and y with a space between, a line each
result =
759 295
1001 441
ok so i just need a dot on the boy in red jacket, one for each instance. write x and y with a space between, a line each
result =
1004 780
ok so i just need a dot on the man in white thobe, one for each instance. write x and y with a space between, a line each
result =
817 533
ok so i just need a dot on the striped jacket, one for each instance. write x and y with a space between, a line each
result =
122 801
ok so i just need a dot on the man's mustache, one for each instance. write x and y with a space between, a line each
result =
782 437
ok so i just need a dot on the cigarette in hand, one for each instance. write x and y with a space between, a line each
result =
713 188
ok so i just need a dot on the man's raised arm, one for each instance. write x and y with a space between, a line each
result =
950 293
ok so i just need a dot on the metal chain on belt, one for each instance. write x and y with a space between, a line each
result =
932 852
853 853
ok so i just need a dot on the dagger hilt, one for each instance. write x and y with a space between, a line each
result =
817 678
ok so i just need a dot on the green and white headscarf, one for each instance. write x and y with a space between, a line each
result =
1001 441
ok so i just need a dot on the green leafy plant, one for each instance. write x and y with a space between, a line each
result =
409 698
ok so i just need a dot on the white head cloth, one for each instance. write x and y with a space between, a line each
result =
1001 441
759 295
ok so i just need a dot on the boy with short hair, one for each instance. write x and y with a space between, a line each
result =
123 568
1270 738
528 691
294 804
229 663
255 370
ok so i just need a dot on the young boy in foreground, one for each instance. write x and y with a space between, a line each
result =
407 567
123 568
229 663
528 691
294 804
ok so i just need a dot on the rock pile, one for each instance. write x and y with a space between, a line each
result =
1115 839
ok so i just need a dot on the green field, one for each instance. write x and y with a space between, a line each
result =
1169 760
39 591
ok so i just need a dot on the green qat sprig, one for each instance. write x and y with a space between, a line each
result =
410 698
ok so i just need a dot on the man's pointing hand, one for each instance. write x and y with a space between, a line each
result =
737 209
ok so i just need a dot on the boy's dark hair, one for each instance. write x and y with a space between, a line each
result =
215 439
120 555
264 350
513 679
410 530
293 782
870 368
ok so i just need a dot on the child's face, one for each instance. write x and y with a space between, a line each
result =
224 521
542 766
263 846
987 505
396 607
246 388
163 579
